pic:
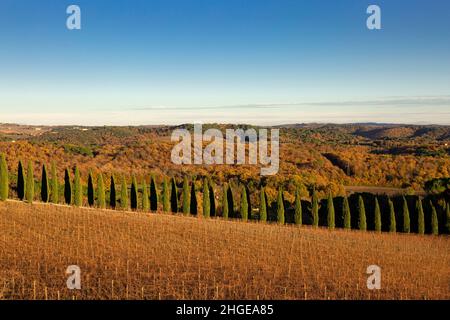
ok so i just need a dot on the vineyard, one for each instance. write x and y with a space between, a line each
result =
135 255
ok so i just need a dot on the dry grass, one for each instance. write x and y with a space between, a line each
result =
154 256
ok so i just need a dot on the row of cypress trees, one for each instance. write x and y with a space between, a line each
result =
96 196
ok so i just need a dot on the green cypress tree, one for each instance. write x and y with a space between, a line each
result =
4 178
166 196
30 183
346 214
315 209
174 196
77 189
420 217
194 205
153 194
212 200
262 205
298 207
434 221
55 186
67 188
90 189
101 198
20 182
377 216
280 206
447 218
145 198
225 212
134 193
362 225
244 204
186 196
44 185
112 193
330 212
406 221
231 212
393 223
124 194
206 199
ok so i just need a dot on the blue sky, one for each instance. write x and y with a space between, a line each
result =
254 61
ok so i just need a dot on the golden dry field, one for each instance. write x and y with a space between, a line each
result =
133 255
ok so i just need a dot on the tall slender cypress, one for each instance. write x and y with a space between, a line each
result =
212 200
298 208
166 196
280 206
193 209
244 204
377 215
90 189
406 221
262 205
77 189
174 196
206 199
315 209
30 183
186 196
434 220
420 217
4 178
44 185
134 193
362 225
55 185
393 223
346 214
124 194
112 193
20 181
145 198
67 188
225 211
231 212
153 194
101 198
447 218
330 212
